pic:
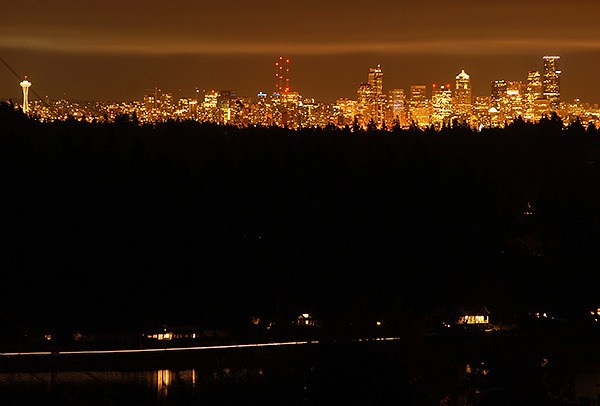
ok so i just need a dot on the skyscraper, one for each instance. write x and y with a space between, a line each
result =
533 92
366 100
552 80
534 85
371 100
499 94
25 84
462 96
376 80
514 107
396 107
441 101
419 106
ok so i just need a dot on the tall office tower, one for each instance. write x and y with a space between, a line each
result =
515 106
552 80
288 108
310 113
183 103
369 94
225 102
261 112
441 101
365 103
533 92
149 101
345 110
481 110
282 75
166 102
534 85
418 94
499 94
25 84
397 107
193 107
210 105
376 80
419 106
462 96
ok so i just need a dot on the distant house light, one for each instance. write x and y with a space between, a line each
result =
306 320
474 317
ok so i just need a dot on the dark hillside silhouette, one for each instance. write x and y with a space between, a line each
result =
112 225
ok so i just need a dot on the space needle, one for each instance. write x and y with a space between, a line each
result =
25 84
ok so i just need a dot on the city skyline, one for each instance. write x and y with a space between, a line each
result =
374 104
480 86
111 50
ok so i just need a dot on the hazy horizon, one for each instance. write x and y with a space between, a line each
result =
116 50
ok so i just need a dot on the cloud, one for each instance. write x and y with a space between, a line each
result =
178 47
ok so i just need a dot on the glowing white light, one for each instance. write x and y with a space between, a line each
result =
180 349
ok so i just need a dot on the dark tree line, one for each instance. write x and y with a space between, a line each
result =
120 224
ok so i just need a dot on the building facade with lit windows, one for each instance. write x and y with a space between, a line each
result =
441 101
462 97
420 112
533 92
371 101
515 98
396 108
345 110
532 99
551 82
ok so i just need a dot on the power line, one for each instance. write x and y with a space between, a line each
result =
20 77
9 68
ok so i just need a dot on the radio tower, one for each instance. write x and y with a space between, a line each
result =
282 75
25 84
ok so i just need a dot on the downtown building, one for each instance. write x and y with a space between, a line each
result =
463 108
371 101
551 82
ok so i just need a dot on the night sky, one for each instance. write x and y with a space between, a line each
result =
114 50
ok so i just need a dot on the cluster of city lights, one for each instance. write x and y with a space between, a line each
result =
422 106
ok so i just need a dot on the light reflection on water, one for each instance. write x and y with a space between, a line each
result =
124 386
163 381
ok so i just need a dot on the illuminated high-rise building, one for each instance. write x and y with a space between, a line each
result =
462 96
533 92
534 85
441 101
418 94
261 112
481 110
365 103
209 106
153 99
25 85
282 75
370 98
419 106
498 94
183 104
288 107
315 114
166 102
375 79
225 102
397 107
345 110
552 80
193 107
515 96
